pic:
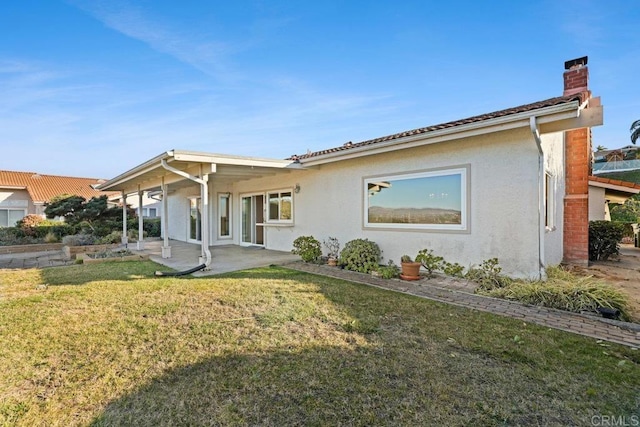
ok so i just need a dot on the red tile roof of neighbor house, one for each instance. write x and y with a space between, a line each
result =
42 188
580 97
617 182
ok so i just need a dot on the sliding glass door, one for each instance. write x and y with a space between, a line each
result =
252 220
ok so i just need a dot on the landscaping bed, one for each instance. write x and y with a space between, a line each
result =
110 256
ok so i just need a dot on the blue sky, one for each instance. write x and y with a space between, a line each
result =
94 88
442 192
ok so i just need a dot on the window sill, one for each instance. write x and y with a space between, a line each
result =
272 224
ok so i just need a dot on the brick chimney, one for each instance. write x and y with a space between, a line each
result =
577 170
576 76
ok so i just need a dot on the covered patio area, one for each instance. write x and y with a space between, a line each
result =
224 258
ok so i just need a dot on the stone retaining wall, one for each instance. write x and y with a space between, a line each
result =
20 249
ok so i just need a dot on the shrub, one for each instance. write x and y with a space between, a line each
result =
488 275
454 270
28 224
429 261
604 238
360 255
308 247
79 240
333 247
51 238
389 271
113 237
152 227
11 236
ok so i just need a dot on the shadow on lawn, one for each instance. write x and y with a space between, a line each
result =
334 386
395 372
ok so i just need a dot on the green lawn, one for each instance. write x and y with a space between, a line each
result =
109 344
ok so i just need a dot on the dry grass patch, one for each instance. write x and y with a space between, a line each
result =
109 344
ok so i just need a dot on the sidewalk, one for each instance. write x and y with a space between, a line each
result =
460 293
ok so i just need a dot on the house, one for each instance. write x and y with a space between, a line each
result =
511 184
603 191
26 193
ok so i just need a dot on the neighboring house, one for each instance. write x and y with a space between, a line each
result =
512 184
618 160
603 191
26 193
151 203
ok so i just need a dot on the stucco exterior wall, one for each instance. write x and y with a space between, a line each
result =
553 148
18 200
178 215
503 202
597 202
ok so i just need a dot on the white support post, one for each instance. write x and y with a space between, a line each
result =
164 221
125 241
140 244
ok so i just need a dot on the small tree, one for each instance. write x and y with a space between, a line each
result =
635 131
627 212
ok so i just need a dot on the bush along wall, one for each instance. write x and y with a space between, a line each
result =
604 239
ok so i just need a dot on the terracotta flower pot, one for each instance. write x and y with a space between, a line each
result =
332 262
410 270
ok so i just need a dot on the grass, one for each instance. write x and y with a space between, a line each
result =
109 344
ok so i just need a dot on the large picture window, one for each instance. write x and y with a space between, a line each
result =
9 217
429 200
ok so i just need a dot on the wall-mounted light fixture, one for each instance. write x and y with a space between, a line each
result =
296 189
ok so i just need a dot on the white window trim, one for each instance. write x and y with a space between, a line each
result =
550 188
267 205
463 227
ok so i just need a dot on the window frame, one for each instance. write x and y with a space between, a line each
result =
24 213
229 217
279 193
549 201
464 171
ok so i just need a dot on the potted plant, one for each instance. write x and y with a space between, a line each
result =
333 248
410 268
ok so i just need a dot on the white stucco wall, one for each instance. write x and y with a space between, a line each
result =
17 200
503 205
503 202
596 204
553 148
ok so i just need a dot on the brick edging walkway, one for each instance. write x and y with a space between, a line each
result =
445 291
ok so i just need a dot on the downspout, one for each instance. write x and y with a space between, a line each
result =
204 191
535 131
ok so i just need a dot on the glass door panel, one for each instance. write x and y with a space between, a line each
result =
195 219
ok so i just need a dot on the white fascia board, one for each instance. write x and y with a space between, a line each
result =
614 187
512 121
136 171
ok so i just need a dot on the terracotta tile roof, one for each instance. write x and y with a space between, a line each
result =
42 188
580 97
617 182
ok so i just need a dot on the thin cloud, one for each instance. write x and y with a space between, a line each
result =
208 56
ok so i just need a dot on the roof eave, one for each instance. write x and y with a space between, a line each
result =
197 158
